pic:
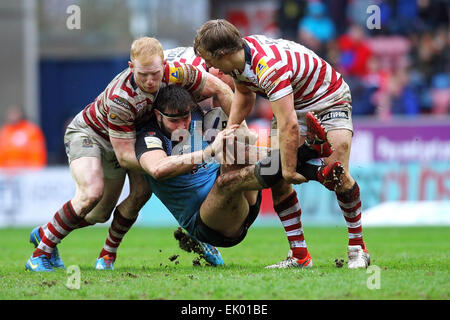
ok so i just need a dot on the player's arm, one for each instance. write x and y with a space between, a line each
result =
242 104
288 135
125 153
160 166
216 88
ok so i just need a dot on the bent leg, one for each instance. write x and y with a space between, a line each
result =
102 211
88 176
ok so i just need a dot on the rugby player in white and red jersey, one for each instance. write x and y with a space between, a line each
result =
188 56
296 81
100 145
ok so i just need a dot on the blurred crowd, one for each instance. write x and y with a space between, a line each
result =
399 67
22 143
394 54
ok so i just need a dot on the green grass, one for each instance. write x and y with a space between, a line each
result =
413 262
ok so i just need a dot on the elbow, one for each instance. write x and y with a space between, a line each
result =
158 174
122 161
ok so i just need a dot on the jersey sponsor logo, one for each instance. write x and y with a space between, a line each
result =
153 142
270 86
116 113
140 106
176 75
122 102
261 67
342 114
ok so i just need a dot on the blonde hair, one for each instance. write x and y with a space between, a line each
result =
146 46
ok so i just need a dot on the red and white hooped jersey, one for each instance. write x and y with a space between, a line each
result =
276 67
185 55
123 106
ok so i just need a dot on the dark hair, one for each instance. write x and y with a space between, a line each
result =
218 37
175 99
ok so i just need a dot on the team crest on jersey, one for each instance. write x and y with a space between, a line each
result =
176 74
261 67
87 143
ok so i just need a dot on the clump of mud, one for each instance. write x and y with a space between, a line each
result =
339 263
188 244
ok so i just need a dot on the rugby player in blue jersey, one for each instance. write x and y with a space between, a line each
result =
214 202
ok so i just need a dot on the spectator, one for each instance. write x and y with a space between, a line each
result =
316 28
22 143
433 14
354 52
289 13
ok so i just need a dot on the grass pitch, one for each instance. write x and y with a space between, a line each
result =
412 263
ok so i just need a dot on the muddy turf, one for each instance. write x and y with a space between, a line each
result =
407 263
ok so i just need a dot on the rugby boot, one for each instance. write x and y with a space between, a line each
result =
55 259
211 254
206 251
358 257
330 175
292 262
316 137
39 264
105 263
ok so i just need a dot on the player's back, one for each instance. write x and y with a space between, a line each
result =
185 55
279 67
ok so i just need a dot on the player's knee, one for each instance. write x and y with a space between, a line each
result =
341 149
139 196
91 195
228 182
101 218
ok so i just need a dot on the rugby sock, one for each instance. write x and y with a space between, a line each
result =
289 212
83 223
350 203
119 227
64 221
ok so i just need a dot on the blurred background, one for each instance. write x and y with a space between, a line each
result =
56 56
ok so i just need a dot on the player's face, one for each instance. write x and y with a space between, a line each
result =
148 73
169 124
224 63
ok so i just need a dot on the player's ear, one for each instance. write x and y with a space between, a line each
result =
158 115
130 64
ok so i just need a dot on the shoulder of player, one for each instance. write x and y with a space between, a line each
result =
177 72
123 92
150 139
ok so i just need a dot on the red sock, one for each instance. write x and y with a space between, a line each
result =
289 212
64 221
119 227
350 204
